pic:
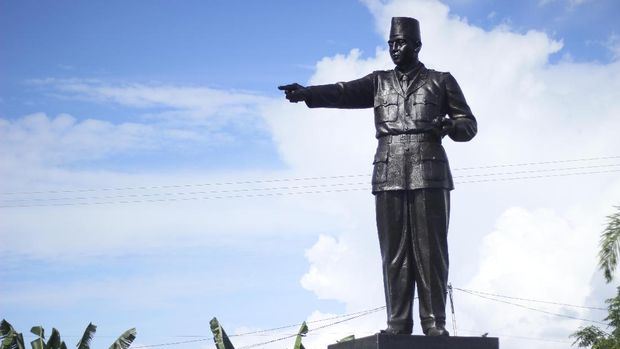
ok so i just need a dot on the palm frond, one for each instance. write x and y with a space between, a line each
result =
38 343
5 328
10 338
84 342
303 330
54 341
346 339
38 330
219 335
610 246
124 340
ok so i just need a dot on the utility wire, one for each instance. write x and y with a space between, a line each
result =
530 300
533 309
310 330
351 316
274 188
348 317
537 163
535 171
188 193
289 179
283 193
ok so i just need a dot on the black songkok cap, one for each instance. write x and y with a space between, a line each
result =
407 27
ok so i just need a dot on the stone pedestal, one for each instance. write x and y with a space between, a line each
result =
384 341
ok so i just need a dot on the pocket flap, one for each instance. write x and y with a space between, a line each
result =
432 151
381 155
386 99
426 98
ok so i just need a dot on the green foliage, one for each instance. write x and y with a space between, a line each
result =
595 338
303 330
346 339
84 342
38 343
124 340
54 341
219 335
610 246
11 339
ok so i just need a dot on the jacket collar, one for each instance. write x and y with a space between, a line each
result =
420 75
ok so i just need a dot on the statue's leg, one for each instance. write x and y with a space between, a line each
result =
439 254
395 245
429 210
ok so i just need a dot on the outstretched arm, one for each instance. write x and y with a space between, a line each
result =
352 94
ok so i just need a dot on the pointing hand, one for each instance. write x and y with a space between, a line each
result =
294 92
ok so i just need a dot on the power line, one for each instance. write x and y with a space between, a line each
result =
188 193
533 309
355 315
311 330
258 181
536 171
534 177
530 300
538 163
349 317
283 193
276 188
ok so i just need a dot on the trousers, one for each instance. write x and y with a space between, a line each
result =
413 237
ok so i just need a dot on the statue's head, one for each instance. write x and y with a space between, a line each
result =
405 41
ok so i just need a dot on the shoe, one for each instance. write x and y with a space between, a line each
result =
436 332
393 331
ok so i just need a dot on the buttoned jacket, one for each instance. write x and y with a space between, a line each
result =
409 154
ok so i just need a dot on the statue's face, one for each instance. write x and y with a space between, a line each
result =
403 51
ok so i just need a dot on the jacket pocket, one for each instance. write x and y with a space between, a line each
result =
427 106
434 162
379 172
386 107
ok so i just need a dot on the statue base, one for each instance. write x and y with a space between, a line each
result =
385 341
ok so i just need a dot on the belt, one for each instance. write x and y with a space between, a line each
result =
410 137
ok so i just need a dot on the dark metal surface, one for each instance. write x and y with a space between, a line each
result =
383 341
414 109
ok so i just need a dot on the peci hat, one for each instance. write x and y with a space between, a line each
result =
407 27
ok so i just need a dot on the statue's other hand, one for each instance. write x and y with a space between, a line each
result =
294 92
442 126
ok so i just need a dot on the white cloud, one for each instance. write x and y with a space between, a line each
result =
528 110
205 100
504 237
613 45
39 139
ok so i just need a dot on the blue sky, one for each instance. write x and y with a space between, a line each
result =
180 96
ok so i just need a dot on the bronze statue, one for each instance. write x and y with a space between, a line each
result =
414 109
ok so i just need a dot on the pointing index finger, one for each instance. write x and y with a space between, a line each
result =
287 87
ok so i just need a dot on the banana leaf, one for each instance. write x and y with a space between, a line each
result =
124 340
38 343
38 330
301 333
84 342
219 335
54 341
10 339
346 339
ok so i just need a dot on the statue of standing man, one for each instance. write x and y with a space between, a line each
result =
414 109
